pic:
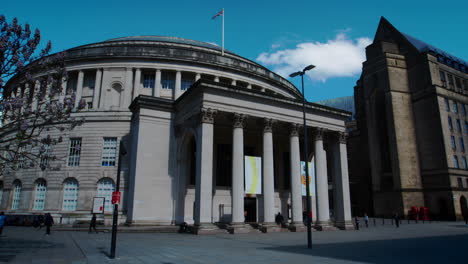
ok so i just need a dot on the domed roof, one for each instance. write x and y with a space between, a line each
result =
166 39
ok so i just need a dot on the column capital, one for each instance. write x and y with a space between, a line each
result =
268 125
239 120
319 133
207 115
294 129
342 137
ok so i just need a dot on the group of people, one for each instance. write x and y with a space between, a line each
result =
46 220
396 218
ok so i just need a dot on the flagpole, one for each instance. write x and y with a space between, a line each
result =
222 49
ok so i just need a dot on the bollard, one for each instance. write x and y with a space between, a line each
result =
375 223
408 220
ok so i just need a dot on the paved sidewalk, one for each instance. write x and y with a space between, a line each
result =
414 243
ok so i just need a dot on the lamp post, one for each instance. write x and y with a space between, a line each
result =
308 210
122 152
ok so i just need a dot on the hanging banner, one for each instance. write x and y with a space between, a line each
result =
253 175
311 179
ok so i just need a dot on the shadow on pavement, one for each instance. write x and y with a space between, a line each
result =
11 247
441 249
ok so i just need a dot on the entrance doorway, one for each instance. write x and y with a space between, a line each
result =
250 207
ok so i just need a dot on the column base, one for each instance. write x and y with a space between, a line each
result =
324 226
345 225
207 229
297 227
270 228
240 228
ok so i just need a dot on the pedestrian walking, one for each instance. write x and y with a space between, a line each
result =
279 219
2 222
366 220
48 222
356 221
92 224
397 220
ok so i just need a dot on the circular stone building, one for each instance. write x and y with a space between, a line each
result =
210 139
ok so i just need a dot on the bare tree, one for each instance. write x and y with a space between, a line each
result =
33 101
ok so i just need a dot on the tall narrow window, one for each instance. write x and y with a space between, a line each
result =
460 182
185 84
459 125
455 107
450 123
70 195
447 104
442 79
109 151
148 80
105 188
462 144
45 153
455 162
40 195
74 152
465 164
454 145
458 83
463 109
450 80
16 195
167 84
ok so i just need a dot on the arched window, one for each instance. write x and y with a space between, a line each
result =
16 195
105 188
70 195
40 195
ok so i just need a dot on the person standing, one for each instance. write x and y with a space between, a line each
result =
92 225
48 222
2 222
366 220
356 221
397 220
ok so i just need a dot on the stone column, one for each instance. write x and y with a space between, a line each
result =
64 90
97 88
342 198
323 211
204 172
157 84
79 88
296 188
178 85
238 171
126 99
136 86
197 76
268 174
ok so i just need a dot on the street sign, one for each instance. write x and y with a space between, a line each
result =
115 197
98 205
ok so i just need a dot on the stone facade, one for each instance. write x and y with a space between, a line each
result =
404 103
187 116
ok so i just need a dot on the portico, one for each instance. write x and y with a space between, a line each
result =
212 127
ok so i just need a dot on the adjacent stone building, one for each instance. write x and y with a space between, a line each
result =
412 125
188 116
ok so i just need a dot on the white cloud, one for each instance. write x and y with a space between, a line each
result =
340 57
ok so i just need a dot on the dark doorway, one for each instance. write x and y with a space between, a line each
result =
463 206
250 207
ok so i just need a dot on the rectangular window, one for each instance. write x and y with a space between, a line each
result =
44 163
454 145
148 81
447 104
463 109
109 151
455 162
460 182
40 196
450 123
74 152
167 84
16 197
442 78
450 80
459 125
91 82
455 107
458 83
186 84
465 164
462 144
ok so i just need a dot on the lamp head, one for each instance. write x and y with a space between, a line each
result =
308 68
294 74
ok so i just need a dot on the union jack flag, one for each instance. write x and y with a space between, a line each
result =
220 13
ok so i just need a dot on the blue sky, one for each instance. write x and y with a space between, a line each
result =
282 35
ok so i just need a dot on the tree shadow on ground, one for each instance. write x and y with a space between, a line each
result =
11 247
441 249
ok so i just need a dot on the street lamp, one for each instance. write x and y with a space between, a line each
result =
309 218
122 152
